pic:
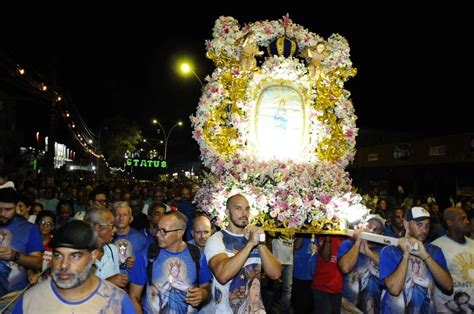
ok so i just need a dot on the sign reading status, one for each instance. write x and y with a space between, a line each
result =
146 163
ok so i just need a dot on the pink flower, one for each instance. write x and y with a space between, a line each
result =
325 199
268 30
349 133
214 89
235 71
207 43
286 20
197 134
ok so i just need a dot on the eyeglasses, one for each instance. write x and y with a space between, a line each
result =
46 223
164 232
110 226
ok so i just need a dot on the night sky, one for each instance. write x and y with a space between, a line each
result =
412 67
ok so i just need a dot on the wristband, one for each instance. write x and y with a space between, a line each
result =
426 258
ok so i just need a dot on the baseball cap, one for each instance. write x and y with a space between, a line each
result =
75 234
417 214
376 217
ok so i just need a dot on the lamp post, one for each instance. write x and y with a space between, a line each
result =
186 68
166 136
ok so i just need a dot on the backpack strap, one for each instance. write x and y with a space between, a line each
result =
111 252
196 256
153 251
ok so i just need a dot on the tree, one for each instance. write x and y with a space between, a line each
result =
118 137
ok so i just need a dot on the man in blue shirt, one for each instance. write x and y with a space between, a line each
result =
20 245
359 262
72 287
174 286
411 270
130 242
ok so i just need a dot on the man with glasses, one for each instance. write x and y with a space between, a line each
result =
21 247
177 283
72 287
107 262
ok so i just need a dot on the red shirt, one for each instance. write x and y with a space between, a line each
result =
328 277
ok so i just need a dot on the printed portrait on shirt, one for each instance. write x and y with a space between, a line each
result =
168 292
244 291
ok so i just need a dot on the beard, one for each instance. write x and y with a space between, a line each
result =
77 278
241 223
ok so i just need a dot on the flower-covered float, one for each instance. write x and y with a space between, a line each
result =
278 128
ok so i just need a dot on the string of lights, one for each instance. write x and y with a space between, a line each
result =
32 82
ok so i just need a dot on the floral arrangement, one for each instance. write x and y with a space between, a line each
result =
291 193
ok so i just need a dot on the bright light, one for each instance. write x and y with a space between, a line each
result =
180 123
161 142
185 68
154 121
90 141
280 114
22 71
71 168
144 140
44 88
93 168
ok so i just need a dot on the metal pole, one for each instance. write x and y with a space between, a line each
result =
202 85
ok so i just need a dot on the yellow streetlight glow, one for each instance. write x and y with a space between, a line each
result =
186 68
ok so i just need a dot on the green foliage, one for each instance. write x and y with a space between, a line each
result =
119 136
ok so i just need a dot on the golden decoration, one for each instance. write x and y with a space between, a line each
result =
329 90
318 226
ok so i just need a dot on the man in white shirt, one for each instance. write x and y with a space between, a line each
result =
236 258
459 252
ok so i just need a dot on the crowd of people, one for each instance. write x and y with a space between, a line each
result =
119 246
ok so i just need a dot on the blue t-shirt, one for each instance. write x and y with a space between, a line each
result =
305 259
173 274
362 285
390 232
44 298
25 238
418 290
131 244
150 238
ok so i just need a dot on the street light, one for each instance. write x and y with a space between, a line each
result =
166 136
186 68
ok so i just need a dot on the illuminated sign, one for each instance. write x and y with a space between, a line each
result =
146 163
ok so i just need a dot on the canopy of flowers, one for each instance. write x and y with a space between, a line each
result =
286 193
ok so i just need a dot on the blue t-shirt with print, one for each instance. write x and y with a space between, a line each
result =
418 290
44 298
25 238
131 244
362 284
305 258
173 274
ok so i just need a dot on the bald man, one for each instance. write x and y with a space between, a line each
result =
459 252
201 231
237 258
